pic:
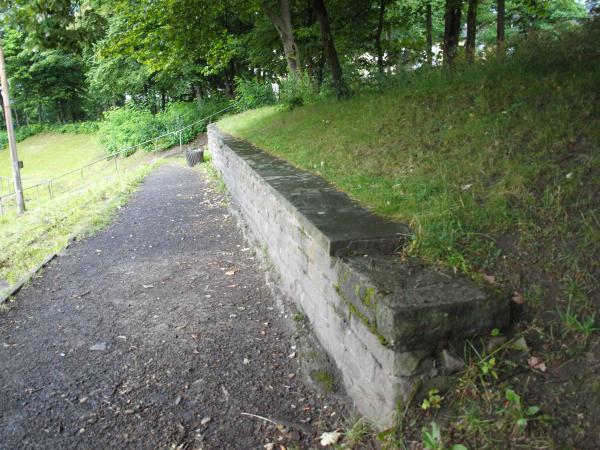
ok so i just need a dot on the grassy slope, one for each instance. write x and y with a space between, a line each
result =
497 170
49 154
80 205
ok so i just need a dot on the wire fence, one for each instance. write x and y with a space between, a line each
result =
46 187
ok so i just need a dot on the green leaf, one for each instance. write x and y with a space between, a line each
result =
458 447
428 441
533 410
520 344
512 397
522 422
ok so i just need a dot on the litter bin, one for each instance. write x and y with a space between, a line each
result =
194 156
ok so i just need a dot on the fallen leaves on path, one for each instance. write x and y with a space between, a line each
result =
330 438
537 364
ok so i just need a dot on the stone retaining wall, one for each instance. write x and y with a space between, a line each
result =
381 319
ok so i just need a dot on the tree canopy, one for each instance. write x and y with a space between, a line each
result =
69 59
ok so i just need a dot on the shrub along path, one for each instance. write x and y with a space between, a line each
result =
158 332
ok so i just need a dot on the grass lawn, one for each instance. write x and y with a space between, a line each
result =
497 170
50 154
80 205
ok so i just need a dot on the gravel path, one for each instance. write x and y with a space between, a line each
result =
158 332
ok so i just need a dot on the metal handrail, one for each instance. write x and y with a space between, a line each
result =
108 157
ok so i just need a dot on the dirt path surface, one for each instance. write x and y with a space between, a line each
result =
158 332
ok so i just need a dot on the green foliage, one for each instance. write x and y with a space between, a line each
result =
432 439
252 94
127 127
69 59
46 85
131 127
26 241
297 91
581 324
516 411
433 400
488 367
358 434
324 379
464 155
299 317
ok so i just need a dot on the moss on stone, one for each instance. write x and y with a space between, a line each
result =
371 325
357 289
369 296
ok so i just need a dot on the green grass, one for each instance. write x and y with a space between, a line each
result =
496 168
450 161
476 161
324 379
26 241
50 154
80 205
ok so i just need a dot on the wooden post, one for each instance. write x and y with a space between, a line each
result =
12 143
501 12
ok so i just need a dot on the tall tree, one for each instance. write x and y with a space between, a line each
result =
329 47
429 32
471 29
500 8
283 24
452 16
378 46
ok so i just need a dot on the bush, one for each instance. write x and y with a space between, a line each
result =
297 91
128 126
251 94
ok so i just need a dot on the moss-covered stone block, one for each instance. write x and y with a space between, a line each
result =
413 306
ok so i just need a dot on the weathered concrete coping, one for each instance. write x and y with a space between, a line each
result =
331 217
411 306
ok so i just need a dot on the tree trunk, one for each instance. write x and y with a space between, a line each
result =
16 117
429 34
230 80
471 30
378 46
283 24
163 100
452 16
198 94
329 48
500 26
61 116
